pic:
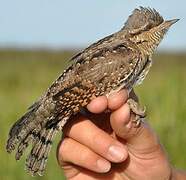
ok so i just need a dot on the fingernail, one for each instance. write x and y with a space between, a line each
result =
103 165
117 153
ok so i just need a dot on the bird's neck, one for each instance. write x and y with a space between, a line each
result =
149 46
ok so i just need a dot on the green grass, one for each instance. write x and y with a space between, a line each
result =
24 75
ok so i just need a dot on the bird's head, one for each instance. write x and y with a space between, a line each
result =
146 28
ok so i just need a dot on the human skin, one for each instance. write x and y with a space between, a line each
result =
111 147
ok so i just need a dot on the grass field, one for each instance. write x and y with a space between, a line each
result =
24 75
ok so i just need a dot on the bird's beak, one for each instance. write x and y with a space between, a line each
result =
169 23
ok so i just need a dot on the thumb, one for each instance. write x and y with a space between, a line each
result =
140 138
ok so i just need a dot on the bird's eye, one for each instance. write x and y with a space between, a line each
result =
121 46
141 41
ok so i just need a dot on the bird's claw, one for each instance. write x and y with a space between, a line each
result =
138 110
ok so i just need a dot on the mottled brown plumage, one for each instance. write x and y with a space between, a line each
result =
118 61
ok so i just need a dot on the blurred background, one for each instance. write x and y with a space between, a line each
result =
38 37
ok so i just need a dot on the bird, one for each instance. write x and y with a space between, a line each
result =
118 61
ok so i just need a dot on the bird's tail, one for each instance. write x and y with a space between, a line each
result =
33 129
36 161
21 131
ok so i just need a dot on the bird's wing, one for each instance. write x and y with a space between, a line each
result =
106 70
119 62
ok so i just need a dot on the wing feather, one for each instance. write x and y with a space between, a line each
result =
117 63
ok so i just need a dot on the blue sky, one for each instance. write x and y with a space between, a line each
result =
77 23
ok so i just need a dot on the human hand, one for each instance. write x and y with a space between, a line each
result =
110 146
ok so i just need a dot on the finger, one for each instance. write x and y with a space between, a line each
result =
116 100
120 117
98 104
71 151
88 134
138 137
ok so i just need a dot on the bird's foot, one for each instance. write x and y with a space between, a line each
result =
138 110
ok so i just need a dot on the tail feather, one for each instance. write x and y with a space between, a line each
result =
23 145
20 130
37 159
